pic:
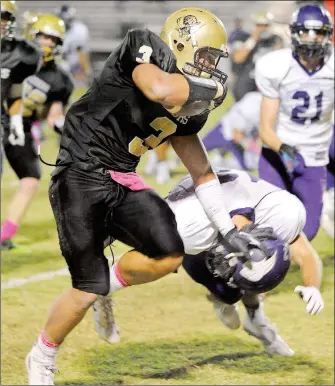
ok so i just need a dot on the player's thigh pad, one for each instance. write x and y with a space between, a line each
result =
145 222
194 226
78 200
282 211
23 159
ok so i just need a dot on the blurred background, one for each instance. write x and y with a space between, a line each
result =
108 21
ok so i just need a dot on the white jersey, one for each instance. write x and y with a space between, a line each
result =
243 115
76 36
306 102
256 199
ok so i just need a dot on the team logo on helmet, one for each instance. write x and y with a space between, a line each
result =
186 25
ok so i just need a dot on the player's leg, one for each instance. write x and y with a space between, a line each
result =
271 169
214 139
223 297
78 202
25 163
309 188
145 222
259 326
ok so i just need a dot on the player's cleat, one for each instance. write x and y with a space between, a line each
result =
266 332
227 313
163 172
39 372
104 320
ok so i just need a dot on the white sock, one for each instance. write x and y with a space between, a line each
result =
116 281
44 351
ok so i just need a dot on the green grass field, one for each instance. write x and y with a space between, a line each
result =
169 332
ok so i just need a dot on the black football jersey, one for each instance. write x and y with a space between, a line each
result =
114 124
19 59
50 84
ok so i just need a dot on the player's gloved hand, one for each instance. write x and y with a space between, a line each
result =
313 298
243 246
16 136
219 100
260 233
292 160
220 262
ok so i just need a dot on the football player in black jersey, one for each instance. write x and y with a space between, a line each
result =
19 59
95 192
44 96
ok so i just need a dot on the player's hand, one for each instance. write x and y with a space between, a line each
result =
313 298
16 136
289 157
238 246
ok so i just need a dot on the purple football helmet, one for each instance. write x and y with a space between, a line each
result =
311 28
262 275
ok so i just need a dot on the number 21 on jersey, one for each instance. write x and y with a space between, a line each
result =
166 127
298 113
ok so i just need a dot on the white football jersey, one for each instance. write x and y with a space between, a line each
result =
76 36
243 115
306 102
242 193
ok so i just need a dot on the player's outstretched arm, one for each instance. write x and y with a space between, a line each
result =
310 265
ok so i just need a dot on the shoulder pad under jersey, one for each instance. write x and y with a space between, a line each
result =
275 65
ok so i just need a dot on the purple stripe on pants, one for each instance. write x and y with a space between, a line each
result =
308 186
215 140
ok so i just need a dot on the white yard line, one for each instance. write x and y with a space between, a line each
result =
48 275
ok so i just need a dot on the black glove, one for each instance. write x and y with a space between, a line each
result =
259 232
218 102
238 246
289 156
222 257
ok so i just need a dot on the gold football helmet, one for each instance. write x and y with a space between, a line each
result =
28 18
8 19
49 25
198 39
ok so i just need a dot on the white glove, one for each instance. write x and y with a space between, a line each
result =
16 135
313 298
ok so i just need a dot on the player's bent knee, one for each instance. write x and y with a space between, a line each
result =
176 261
83 299
166 264
29 183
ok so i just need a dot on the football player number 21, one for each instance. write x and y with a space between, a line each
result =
298 112
163 125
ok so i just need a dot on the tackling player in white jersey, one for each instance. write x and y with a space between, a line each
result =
237 133
298 97
249 201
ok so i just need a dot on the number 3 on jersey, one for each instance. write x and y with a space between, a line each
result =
139 146
297 115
